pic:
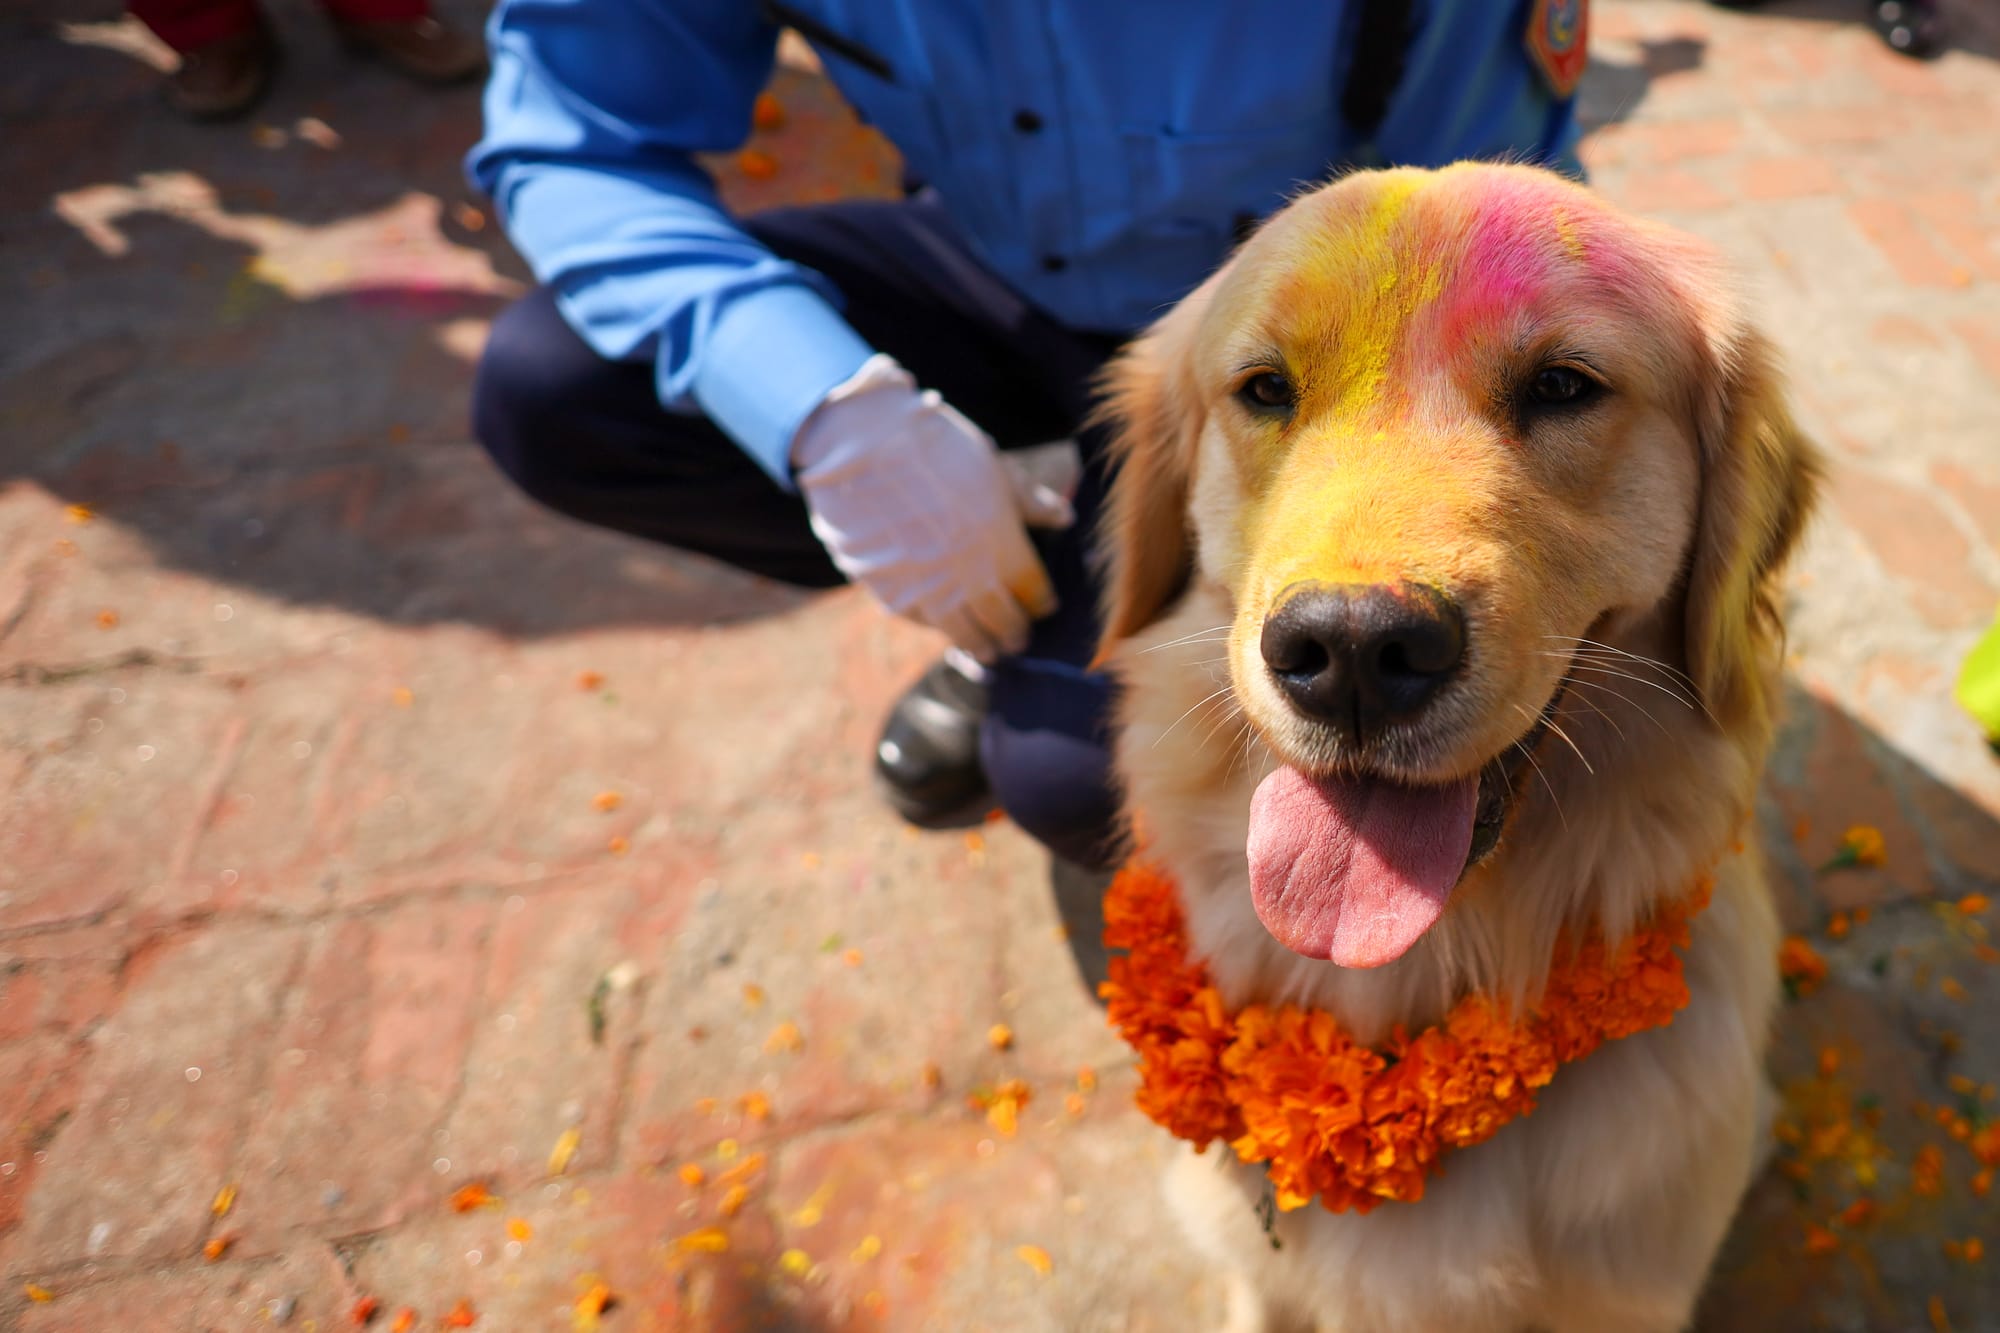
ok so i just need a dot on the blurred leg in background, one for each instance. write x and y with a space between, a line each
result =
228 53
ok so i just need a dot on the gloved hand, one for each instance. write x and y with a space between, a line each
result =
914 503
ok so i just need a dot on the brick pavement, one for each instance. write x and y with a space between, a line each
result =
306 884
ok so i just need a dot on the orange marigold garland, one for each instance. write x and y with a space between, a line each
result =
1352 1124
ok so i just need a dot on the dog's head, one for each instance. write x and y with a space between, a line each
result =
1429 434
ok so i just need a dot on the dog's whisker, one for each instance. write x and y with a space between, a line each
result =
1612 666
1677 697
1184 716
1636 657
1188 638
1608 719
1551 724
1623 698
1554 800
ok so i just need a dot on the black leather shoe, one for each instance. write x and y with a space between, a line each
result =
927 761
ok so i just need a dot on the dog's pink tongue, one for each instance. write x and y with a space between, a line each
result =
1355 871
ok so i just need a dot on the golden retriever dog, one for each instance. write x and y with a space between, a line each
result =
1440 565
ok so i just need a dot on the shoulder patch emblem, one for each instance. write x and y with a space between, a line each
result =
1558 42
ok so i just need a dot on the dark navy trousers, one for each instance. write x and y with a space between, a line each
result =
587 437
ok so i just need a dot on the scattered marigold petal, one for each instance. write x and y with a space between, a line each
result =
727 1150
470 216
402 696
1829 1061
42 1295
218 1246
1074 1104
107 619
461 1315
1000 1036
796 1263
475 1195
753 996
619 846
785 1039
225 1199
768 113
607 801
594 1302
708 1240
733 1201
870 1246
1940 1321
1837 925
757 164
589 680
519 1229
564 1152
743 1170
363 1310
1975 1249
1982 1182
975 841
756 1105
1858 1214
931 1076
692 1175
79 513
1952 988
1819 1240
1035 1257
851 957
1927 1171
405 1320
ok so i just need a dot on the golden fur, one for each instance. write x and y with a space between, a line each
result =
1630 547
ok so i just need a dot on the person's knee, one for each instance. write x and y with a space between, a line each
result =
1056 784
527 385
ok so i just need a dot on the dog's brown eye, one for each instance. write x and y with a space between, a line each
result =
1267 391
1555 386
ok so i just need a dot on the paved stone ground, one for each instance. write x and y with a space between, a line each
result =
368 834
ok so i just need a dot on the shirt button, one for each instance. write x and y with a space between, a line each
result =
1054 263
1027 122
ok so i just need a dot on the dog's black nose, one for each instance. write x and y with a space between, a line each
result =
1361 655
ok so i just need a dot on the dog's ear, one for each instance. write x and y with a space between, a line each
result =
1759 477
1149 406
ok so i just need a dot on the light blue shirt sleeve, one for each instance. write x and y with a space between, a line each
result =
594 110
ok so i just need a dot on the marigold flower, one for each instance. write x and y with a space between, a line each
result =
1332 1119
1800 967
1861 845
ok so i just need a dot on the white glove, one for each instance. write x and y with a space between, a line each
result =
914 503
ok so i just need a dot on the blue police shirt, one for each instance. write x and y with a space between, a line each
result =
1151 128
